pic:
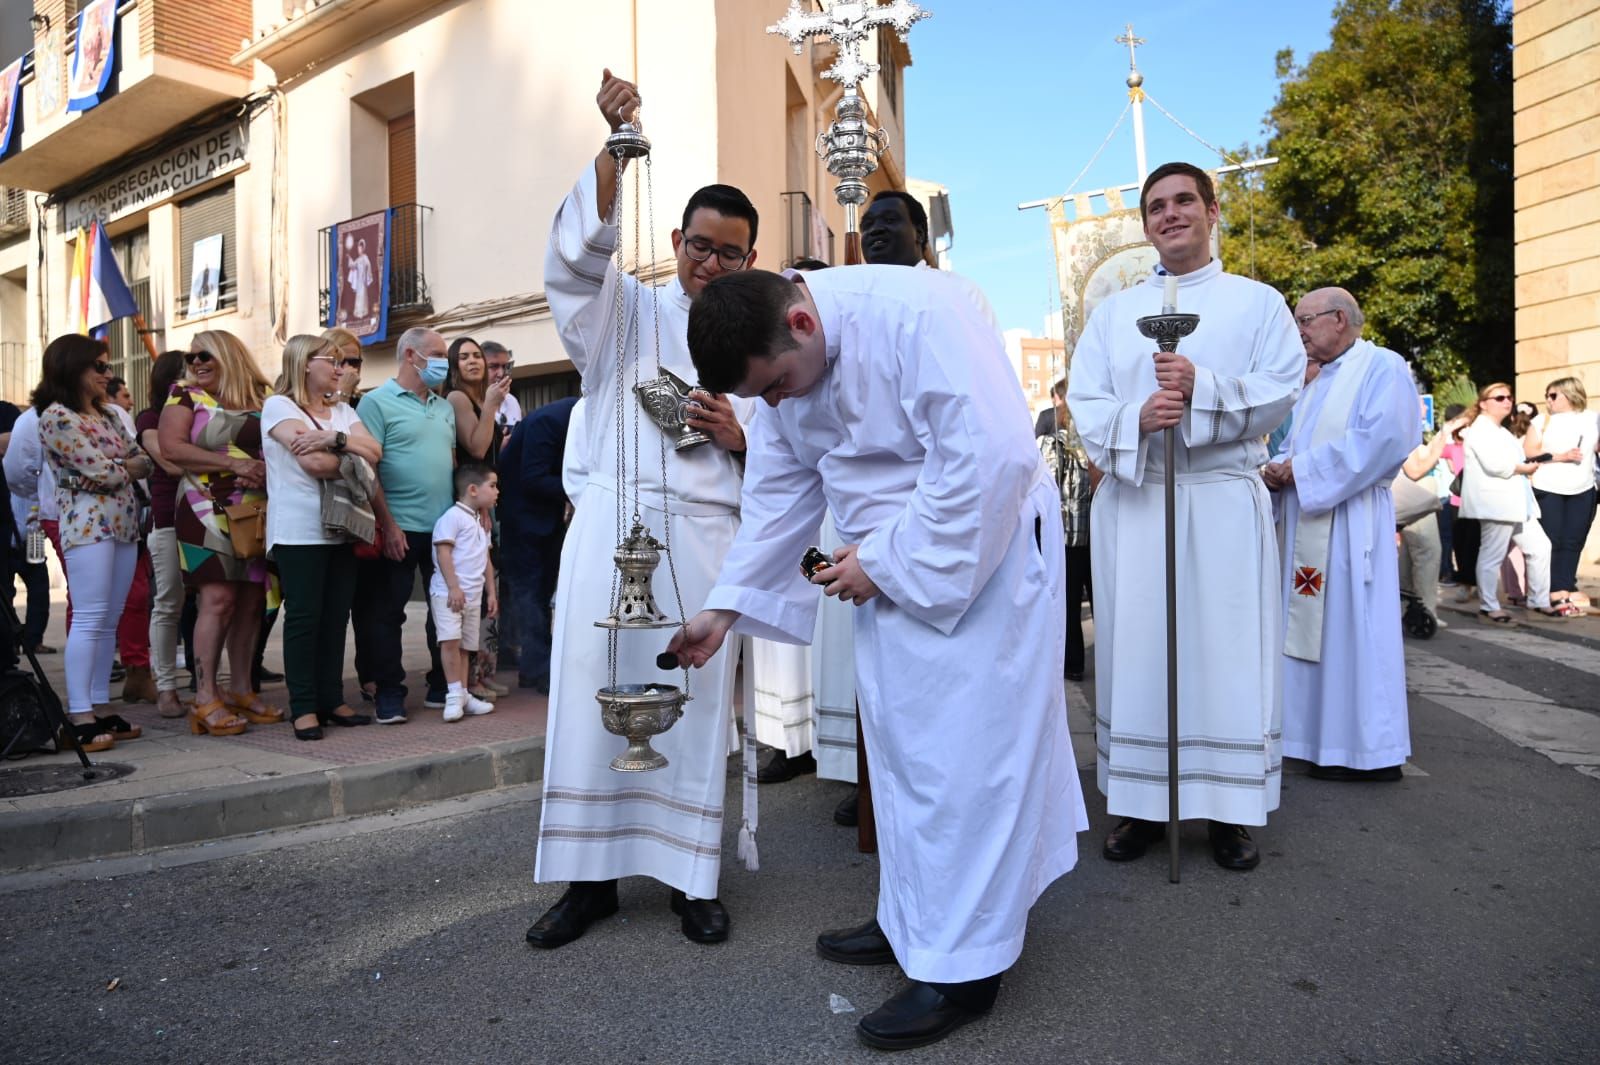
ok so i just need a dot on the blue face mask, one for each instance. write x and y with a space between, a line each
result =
436 371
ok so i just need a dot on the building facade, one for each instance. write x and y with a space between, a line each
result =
269 123
1556 96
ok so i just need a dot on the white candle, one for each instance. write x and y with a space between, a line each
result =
1169 295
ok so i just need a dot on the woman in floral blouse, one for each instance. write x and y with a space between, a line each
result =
211 428
96 463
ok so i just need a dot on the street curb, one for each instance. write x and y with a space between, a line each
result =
34 839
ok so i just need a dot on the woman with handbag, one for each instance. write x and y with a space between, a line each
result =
1495 491
96 464
1564 486
312 438
211 429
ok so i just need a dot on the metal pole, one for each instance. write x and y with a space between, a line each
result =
1170 492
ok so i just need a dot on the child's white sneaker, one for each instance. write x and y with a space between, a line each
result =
454 704
476 706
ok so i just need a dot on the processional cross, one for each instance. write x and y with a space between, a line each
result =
849 145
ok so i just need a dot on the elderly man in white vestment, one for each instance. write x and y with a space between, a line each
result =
1229 384
892 407
1344 679
596 824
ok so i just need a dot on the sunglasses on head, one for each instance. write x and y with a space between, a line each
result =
190 358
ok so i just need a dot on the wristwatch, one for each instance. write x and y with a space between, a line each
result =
339 441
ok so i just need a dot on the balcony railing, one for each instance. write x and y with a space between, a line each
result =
408 278
808 236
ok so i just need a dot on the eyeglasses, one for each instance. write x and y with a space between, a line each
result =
192 357
1552 396
699 249
1499 399
345 363
1307 319
102 367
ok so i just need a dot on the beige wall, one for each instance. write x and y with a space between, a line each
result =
1556 66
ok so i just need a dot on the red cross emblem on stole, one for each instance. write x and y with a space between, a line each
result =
1308 581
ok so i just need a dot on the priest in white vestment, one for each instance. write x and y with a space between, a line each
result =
598 824
1229 384
892 407
1344 679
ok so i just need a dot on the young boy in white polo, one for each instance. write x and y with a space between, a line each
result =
462 576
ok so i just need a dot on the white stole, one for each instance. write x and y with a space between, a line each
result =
1308 576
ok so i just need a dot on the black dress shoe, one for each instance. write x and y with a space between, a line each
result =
848 812
345 720
312 733
925 1013
704 920
865 945
1131 838
1232 846
1339 772
584 903
780 767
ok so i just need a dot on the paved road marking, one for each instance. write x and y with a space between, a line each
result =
1562 652
1566 737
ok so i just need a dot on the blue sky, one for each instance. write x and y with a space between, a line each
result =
1007 100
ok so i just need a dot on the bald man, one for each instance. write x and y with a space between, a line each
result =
1344 685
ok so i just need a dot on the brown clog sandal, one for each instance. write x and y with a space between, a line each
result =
250 707
91 737
119 728
228 726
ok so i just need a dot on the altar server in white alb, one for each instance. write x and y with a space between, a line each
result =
1344 670
1229 384
892 407
597 824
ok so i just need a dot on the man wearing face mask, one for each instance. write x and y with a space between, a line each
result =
597 824
417 430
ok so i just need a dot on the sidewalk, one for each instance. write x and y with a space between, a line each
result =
190 789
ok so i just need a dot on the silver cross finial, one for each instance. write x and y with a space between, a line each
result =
1132 42
847 25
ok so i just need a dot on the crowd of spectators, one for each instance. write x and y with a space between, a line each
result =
182 533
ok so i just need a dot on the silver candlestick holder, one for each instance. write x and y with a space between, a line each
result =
1168 328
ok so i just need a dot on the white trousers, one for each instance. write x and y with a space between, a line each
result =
98 576
1419 561
166 606
1497 538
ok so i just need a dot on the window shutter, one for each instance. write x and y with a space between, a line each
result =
403 159
199 217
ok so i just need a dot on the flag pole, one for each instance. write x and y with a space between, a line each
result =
144 334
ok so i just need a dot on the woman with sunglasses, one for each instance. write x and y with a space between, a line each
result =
348 347
1495 491
211 429
309 432
1564 486
95 462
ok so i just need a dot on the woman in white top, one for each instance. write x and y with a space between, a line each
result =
307 431
1495 491
1564 486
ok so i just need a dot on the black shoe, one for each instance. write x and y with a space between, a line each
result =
312 733
345 720
866 945
848 812
925 1013
1232 846
704 920
584 903
1131 838
1339 772
780 767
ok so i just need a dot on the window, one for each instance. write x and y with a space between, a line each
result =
209 214
1034 389
889 74
1033 362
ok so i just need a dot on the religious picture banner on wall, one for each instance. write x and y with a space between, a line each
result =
92 55
205 276
47 82
8 103
359 258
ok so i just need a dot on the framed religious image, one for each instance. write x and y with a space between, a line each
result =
359 259
8 103
1123 268
92 54
47 57
205 276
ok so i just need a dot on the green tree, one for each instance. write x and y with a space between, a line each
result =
1394 180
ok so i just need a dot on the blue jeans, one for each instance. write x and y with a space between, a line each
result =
532 577
380 616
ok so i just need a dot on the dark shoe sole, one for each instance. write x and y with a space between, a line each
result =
552 942
1386 775
882 958
692 934
1238 867
912 1042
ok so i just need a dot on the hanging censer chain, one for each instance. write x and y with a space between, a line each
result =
620 415
661 443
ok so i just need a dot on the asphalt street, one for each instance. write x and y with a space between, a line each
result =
1450 917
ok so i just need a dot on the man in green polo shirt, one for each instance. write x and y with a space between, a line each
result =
417 429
